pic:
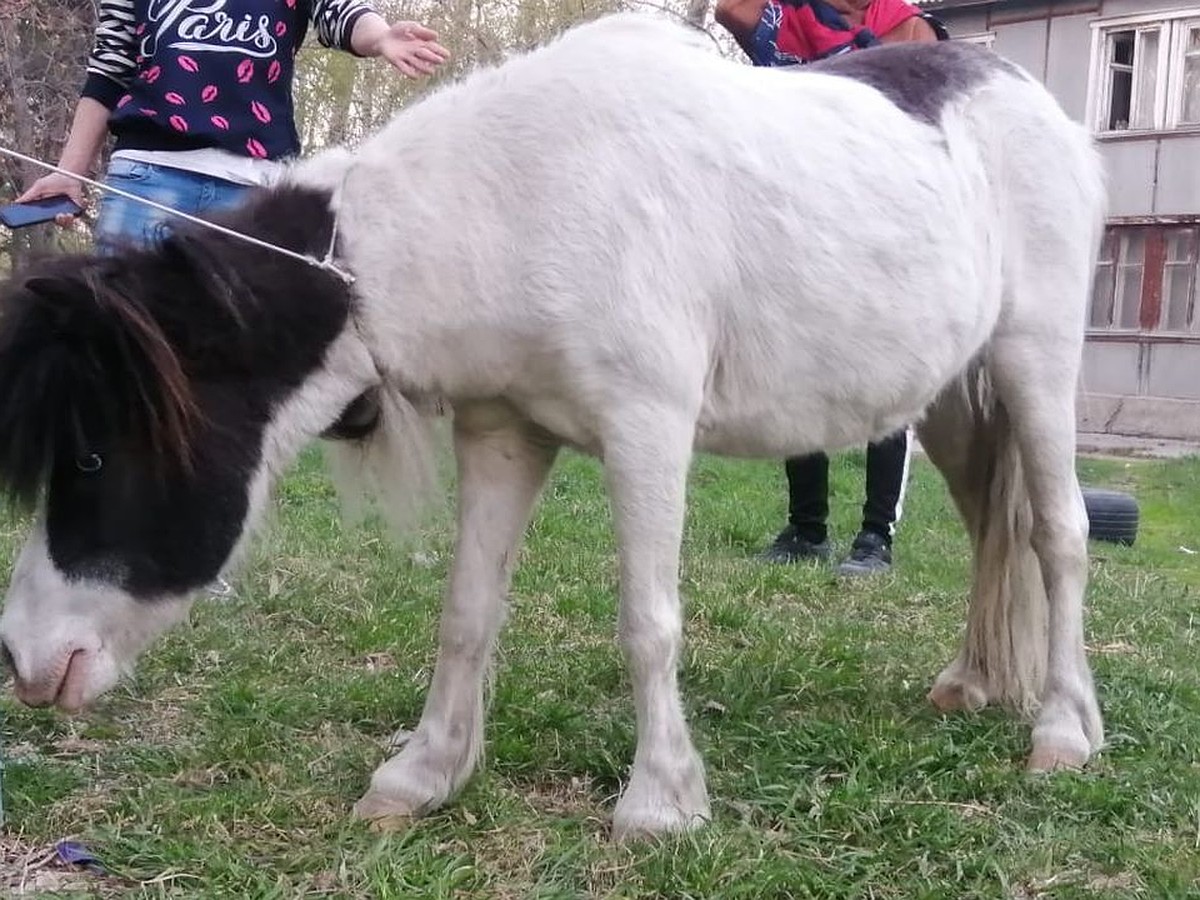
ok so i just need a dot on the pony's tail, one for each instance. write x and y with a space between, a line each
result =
1003 658
390 470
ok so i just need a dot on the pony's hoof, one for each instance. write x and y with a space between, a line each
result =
632 825
650 808
384 813
1068 731
1059 745
1056 757
952 693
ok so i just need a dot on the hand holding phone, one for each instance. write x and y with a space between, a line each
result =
32 212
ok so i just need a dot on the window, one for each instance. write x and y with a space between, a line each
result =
1116 297
1189 52
1180 273
1146 73
1147 279
983 39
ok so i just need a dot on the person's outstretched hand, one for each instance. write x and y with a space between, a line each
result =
412 48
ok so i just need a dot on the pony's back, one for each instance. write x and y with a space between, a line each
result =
778 229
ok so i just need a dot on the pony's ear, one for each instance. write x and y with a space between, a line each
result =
46 285
183 253
56 295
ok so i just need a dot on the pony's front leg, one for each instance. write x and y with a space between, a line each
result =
646 467
501 470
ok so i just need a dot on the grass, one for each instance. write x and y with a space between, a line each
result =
228 766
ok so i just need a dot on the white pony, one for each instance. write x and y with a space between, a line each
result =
620 243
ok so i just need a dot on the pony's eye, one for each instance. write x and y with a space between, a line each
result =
89 463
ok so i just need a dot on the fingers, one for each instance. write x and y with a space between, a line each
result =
424 60
53 186
414 49
434 52
404 66
415 59
74 190
36 191
416 31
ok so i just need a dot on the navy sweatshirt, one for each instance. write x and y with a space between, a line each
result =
189 74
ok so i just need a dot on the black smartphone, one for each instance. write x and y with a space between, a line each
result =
18 215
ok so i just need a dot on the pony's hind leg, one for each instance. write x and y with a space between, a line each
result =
1036 383
646 463
501 469
952 434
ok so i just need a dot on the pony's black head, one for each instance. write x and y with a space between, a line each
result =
144 396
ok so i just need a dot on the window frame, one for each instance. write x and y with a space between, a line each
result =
982 38
1173 27
1149 309
1178 56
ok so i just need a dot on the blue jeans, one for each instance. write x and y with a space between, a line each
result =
122 222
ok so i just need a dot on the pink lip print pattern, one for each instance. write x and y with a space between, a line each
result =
260 112
280 29
273 71
146 111
174 99
125 99
257 150
179 123
152 73
188 64
209 94
245 71
221 122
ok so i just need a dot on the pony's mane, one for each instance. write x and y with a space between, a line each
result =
82 360
103 348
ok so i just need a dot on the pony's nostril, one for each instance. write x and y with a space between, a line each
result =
7 665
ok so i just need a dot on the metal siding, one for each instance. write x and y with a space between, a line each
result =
1110 368
1110 8
1178 176
1130 169
1174 371
1025 44
1067 67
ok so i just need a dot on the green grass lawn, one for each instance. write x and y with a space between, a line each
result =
228 767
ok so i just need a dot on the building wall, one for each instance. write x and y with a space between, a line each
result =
1134 381
1157 175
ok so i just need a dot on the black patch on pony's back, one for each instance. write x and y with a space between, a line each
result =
167 363
920 78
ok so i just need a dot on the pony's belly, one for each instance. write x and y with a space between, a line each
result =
770 435
787 420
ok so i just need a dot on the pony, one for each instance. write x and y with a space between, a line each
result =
620 243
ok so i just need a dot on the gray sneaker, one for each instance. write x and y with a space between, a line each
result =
870 554
790 547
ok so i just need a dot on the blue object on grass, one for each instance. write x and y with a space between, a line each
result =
75 853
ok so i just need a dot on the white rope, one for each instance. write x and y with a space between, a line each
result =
327 264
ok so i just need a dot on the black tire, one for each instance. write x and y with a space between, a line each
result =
1112 516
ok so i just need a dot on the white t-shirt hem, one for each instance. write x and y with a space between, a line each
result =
212 162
